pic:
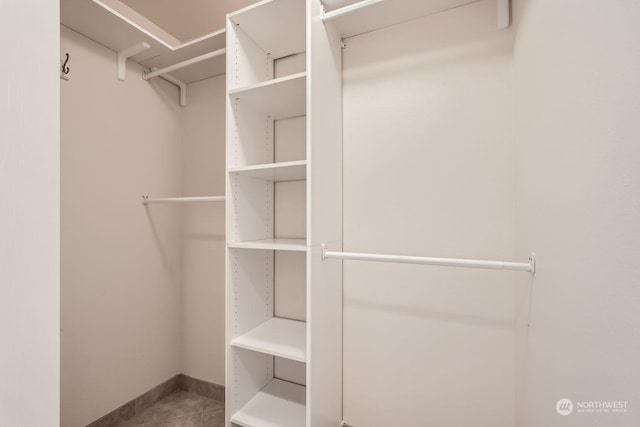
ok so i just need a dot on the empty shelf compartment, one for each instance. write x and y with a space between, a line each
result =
278 337
279 98
279 404
277 26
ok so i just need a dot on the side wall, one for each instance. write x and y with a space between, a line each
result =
121 262
203 225
577 90
29 214
428 170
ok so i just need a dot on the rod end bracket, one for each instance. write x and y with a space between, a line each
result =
143 200
532 261
324 251
504 14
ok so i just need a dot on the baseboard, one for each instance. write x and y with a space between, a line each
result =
201 387
149 398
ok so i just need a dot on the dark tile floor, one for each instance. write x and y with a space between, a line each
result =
180 409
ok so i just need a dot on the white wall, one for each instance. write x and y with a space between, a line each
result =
428 170
577 86
29 214
121 262
203 240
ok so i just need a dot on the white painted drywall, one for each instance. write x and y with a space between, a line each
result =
29 214
203 242
121 262
429 170
577 104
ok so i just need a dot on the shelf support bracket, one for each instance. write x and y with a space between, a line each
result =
182 85
504 14
124 54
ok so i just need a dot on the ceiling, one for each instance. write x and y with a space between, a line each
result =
187 19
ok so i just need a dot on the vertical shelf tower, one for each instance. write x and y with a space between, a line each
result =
284 201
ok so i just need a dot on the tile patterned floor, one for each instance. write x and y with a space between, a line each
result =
180 409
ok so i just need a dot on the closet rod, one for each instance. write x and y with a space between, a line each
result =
447 262
183 64
347 9
146 200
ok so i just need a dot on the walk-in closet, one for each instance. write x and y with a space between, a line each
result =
319 213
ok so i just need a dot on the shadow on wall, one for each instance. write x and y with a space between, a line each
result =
204 237
160 246
431 314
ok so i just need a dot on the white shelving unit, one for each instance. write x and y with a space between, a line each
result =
284 195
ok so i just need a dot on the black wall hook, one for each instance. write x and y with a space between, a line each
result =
65 69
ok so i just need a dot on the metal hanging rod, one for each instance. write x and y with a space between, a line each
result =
326 16
183 64
447 262
147 201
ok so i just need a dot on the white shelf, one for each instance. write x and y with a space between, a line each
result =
385 13
117 27
297 245
279 404
279 98
278 337
285 171
277 26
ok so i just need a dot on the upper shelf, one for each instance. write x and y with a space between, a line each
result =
277 26
376 14
118 27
